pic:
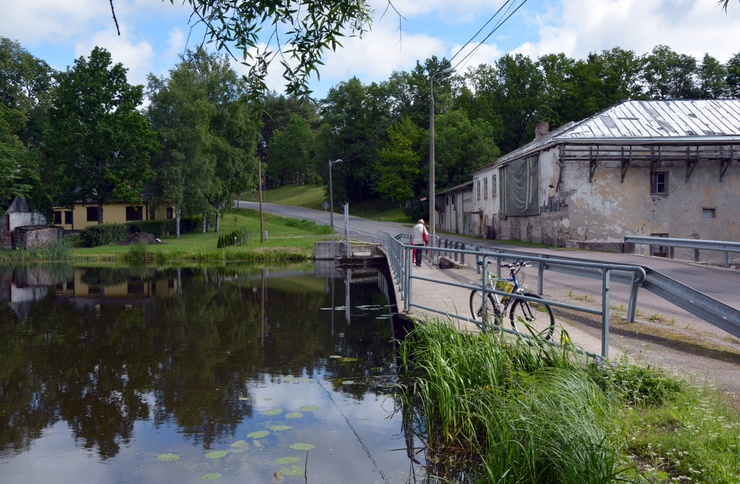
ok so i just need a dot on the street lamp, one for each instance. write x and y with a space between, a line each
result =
432 208
331 194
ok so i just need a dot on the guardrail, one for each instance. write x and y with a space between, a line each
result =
399 257
715 245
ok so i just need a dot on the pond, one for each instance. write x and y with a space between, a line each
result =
233 374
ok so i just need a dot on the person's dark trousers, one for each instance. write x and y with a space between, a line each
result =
418 255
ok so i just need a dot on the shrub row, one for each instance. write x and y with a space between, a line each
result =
239 237
96 235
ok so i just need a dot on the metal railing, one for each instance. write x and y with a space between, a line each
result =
399 257
697 245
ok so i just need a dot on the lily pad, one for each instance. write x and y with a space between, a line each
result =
309 408
243 399
272 412
280 428
348 359
217 454
239 446
293 415
335 357
211 476
168 457
293 471
301 446
258 434
348 382
287 460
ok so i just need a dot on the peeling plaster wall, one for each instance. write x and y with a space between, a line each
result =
605 210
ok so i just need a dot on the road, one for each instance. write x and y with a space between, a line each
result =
663 333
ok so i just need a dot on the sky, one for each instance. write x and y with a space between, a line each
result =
155 32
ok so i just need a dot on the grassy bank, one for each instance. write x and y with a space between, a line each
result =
313 196
491 408
286 240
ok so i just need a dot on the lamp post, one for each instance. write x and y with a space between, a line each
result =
331 194
432 208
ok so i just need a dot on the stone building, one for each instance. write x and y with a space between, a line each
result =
649 168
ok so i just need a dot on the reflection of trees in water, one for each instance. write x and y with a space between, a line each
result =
185 360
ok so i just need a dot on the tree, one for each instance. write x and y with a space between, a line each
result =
352 135
25 87
100 145
398 165
669 75
733 75
712 79
462 147
208 154
290 153
519 97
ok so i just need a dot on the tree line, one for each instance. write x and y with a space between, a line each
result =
193 138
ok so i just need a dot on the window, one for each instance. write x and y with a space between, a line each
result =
170 213
68 217
709 212
134 213
659 183
485 187
57 217
493 186
92 214
478 189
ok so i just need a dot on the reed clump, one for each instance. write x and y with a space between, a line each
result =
497 408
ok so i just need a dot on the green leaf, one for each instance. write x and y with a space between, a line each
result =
301 446
168 457
217 454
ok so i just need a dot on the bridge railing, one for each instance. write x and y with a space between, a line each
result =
399 254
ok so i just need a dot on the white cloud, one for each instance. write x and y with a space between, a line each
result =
36 21
691 27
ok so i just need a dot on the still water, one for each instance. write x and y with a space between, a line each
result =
179 375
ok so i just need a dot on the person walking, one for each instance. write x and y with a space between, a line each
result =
419 237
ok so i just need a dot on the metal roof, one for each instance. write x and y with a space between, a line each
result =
648 122
661 119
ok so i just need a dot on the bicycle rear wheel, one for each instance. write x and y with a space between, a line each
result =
532 317
487 317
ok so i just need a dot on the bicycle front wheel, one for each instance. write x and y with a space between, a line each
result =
532 317
487 316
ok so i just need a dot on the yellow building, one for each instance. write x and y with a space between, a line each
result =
86 214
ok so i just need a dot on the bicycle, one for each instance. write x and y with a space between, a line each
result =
536 316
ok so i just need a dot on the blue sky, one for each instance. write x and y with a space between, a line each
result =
153 33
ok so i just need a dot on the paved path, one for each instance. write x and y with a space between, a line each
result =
454 301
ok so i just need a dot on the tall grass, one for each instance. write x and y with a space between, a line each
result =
496 408
61 251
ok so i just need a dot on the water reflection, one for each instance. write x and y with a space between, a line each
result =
187 360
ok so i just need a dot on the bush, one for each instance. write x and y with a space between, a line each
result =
104 234
190 224
158 228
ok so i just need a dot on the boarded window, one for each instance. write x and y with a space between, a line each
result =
493 186
485 187
520 187
478 189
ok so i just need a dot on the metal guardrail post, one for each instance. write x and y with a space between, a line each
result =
605 313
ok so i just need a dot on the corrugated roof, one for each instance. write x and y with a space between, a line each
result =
648 122
661 119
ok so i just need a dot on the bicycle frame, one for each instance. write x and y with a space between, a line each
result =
502 305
